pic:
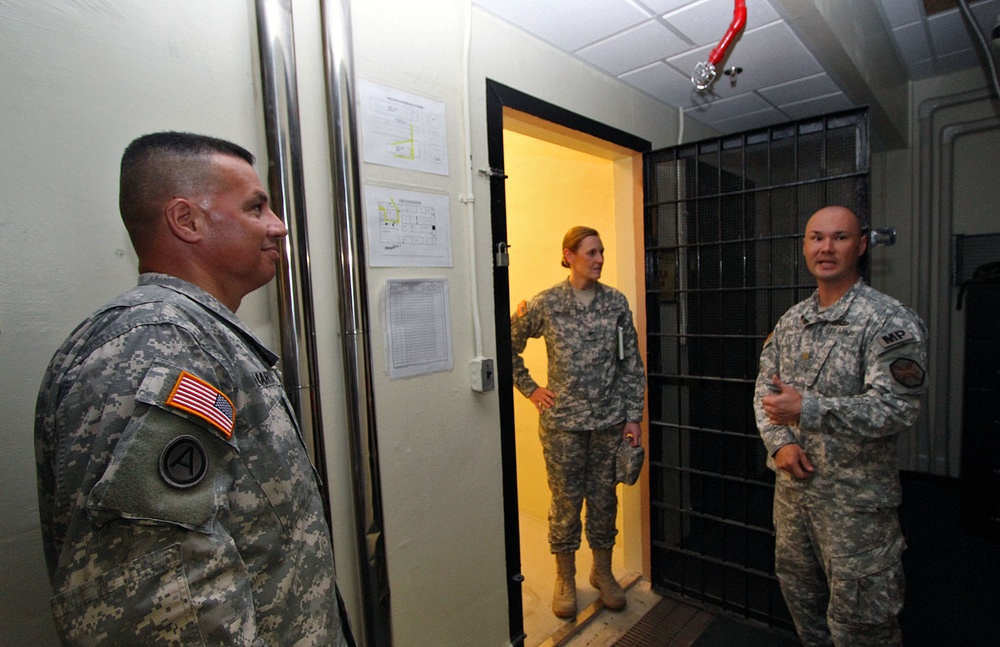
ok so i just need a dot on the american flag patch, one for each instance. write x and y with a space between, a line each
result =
205 401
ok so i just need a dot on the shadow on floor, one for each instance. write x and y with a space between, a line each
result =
725 632
952 583
952 567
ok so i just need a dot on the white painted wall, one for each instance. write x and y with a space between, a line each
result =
908 273
439 441
81 78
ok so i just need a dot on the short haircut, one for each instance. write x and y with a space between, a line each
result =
574 237
159 166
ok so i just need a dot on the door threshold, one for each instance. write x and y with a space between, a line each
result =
586 615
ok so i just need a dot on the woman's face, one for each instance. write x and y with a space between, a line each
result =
586 262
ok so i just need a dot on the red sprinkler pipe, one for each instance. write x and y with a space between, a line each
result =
704 73
739 20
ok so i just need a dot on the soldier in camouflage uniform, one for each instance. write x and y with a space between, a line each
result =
593 399
178 504
840 378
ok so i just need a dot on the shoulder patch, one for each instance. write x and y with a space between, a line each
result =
768 339
907 372
896 337
522 309
183 462
197 396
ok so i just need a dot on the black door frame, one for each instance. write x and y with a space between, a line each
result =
498 97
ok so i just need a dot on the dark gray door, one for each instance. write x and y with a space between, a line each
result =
724 220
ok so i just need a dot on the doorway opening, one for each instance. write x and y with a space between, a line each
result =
550 172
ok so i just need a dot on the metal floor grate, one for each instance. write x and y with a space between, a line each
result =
668 624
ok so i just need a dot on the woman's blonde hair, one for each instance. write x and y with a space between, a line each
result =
573 238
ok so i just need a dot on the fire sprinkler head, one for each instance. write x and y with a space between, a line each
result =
732 73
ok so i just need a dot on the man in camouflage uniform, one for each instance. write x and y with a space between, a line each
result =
177 500
840 378
593 399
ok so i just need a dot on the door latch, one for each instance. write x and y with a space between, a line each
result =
493 172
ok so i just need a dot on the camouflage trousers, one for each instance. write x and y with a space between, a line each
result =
840 570
581 467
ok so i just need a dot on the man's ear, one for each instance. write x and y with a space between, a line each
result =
184 220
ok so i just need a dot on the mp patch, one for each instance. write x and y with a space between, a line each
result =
907 372
894 338
183 462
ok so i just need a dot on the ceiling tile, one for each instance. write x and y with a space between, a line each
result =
746 103
912 42
799 89
747 121
634 48
664 6
654 46
986 14
920 69
707 21
817 106
956 62
663 82
949 33
769 55
902 12
568 26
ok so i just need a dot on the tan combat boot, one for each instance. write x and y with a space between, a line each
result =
601 578
564 595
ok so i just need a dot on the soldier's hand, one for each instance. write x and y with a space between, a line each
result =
632 433
542 398
792 458
784 405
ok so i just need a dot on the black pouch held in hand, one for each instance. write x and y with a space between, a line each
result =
628 462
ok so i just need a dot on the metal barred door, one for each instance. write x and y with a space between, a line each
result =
724 220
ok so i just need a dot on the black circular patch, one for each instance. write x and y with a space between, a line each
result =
907 372
183 462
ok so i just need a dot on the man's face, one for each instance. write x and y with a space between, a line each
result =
588 259
833 245
242 235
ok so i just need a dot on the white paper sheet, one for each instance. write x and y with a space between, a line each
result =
416 315
407 228
402 129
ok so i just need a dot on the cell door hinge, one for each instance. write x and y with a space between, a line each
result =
493 172
885 236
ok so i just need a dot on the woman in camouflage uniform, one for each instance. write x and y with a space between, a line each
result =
594 397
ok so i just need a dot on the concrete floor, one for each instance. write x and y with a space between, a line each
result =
603 628
539 569
594 626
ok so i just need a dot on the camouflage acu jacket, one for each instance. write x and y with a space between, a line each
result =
177 500
593 357
861 368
